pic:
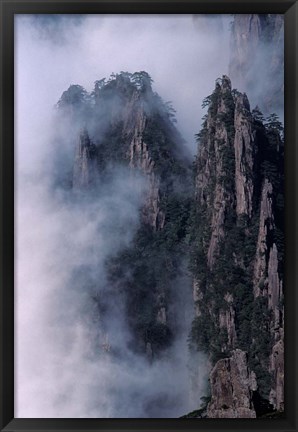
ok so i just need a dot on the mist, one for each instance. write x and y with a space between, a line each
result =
65 364
181 53
257 61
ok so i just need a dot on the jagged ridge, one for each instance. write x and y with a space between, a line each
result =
237 256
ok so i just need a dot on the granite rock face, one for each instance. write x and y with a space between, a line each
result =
84 168
232 385
139 158
277 368
128 129
127 113
241 280
257 48
245 149
211 169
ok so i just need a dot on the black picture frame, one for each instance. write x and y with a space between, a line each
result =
7 10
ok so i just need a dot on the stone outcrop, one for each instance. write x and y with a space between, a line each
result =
129 110
236 201
265 226
227 321
245 150
257 48
84 172
232 385
221 200
267 283
276 396
140 159
129 129
135 119
211 168
246 36
274 284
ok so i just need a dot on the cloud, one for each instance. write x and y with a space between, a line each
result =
62 242
183 55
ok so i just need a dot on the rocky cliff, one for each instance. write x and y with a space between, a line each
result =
232 386
227 223
84 169
126 125
257 50
236 261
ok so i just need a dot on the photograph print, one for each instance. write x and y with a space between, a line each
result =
149 216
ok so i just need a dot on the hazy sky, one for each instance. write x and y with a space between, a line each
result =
56 372
183 54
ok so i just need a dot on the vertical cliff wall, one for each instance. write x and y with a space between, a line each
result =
128 126
236 261
257 59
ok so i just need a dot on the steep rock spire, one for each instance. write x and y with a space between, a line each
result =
84 164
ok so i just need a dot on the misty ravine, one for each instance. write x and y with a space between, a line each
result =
159 276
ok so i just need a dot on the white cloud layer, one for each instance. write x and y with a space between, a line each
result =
58 373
